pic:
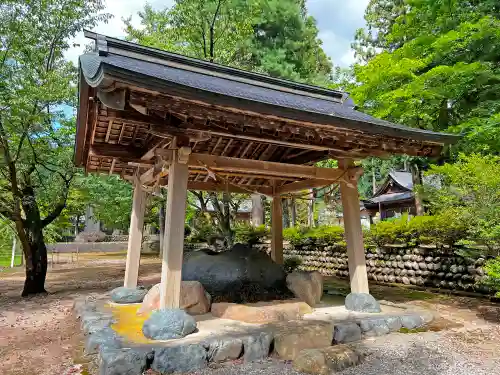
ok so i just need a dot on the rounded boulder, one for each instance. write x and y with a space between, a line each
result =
128 295
168 324
362 302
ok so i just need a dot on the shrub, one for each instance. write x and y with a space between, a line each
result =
327 233
245 233
449 227
492 269
294 235
201 233
394 231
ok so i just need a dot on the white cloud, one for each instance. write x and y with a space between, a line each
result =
114 27
337 22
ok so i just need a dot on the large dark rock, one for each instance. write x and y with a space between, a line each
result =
168 324
362 302
242 274
128 295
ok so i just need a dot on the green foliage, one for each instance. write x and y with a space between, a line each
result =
290 264
202 233
492 269
294 235
36 136
470 194
324 233
446 228
392 231
332 234
248 234
212 30
275 37
437 67
110 196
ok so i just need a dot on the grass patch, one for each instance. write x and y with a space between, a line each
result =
414 330
5 261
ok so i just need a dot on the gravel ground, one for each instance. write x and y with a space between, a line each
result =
428 353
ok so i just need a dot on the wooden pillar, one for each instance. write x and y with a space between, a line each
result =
353 231
257 216
173 243
135 237
277 230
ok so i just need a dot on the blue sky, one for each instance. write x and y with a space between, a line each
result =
337 22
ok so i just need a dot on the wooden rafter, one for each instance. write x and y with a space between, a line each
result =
112 166
108 132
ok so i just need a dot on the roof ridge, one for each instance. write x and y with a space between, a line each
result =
334 95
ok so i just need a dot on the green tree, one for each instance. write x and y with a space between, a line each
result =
35 137
471 189
212 30
438 70
285 43
380 16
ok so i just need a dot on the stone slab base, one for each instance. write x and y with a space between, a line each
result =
220 340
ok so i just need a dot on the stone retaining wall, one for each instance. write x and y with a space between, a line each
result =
421 266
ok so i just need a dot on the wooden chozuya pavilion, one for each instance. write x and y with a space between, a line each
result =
158 118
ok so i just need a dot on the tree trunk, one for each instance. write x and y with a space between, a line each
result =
310 209
293 209
34 249
36 262
417 180
374 182
286 213
257 217
226 225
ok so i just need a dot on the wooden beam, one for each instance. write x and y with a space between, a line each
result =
214 186
147 176
353 232
302 185
173 242
116 151
260 167
151 152
135 238
277 230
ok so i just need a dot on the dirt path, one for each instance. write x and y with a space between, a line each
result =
39 336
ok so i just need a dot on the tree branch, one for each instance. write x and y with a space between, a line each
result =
59 207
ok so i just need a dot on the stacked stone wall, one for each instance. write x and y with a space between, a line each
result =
420 266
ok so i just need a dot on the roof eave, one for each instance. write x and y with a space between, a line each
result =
111 73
